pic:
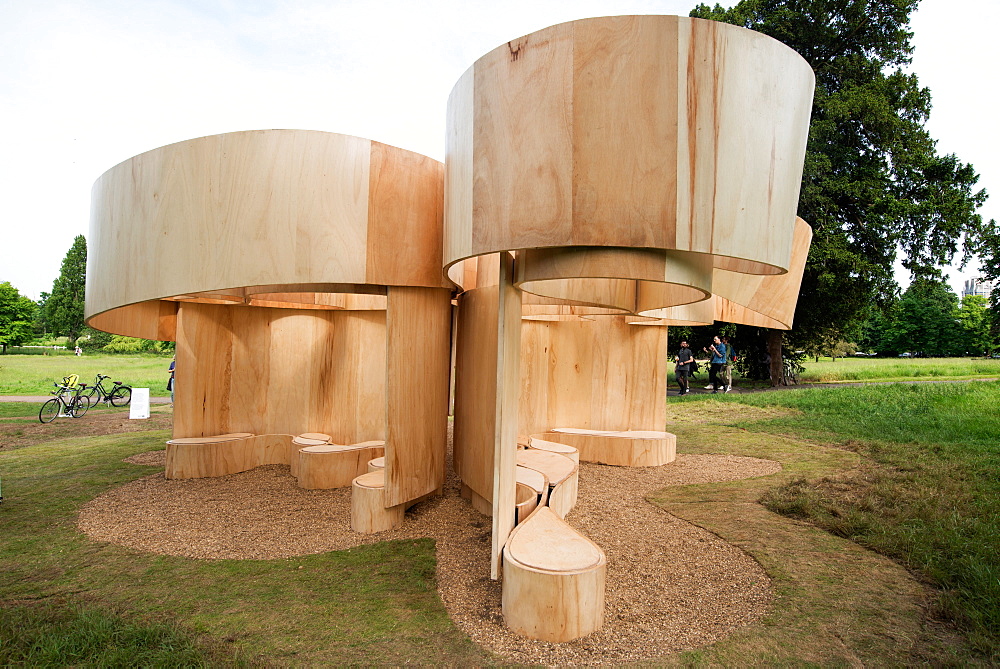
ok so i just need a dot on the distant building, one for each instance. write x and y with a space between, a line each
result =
978 286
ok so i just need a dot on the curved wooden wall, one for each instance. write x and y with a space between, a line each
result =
636 132
231 212
280 371
600 373
300 273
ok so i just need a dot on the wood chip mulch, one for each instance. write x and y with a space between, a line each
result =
671 586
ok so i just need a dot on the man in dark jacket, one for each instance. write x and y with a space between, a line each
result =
684 358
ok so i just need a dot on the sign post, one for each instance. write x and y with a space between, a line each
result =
139 408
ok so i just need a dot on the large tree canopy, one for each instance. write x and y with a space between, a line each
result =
17 314
64 307
873 181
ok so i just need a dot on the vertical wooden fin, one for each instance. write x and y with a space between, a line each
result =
507 383
418 353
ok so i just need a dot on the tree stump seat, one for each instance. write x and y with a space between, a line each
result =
326 466
368 512
624 448
224 454
553 580
561 473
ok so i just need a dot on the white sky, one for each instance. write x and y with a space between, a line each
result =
86 84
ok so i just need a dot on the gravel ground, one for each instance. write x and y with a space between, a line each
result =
671 586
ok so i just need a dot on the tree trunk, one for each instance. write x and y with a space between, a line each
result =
774 338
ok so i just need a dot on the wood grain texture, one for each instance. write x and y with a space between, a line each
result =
637 131
418 363
369 513
562 474
539 442
334 466
526 501
475 389
629 280
308 208
600 373
637 448
554 580
268 371
506 411
206 457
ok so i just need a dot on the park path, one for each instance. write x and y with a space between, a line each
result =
699 389
42 398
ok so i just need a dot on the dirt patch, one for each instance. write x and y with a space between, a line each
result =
19 432
149 458
721 413
671 585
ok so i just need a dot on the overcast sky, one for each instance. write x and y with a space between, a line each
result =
85 85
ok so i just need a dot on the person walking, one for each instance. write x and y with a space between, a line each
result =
684 358
720 354
170 381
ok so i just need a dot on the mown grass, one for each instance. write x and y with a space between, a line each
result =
896 369
34 375
369 605
60 635
926 491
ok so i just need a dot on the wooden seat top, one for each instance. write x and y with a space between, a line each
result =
316 435
532 478
369 444
377 462
640 434
545 541
557 468
306 441
375 479
327 448
578 430
233 436
552 446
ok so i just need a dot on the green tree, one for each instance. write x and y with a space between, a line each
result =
17 315
64 307
873 181
975 318
926 321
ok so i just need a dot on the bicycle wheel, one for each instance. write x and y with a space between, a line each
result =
89 394
121 396
80 406
49 411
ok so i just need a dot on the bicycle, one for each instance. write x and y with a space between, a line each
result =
69 402
791 371
119 395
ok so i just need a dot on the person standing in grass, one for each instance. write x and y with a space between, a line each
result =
684 358
719 353
727 369
170 381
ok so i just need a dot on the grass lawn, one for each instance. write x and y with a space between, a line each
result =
35 374
909 471
371 605
924 491
897 369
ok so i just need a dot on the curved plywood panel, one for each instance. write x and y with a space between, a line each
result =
641 132
257 208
